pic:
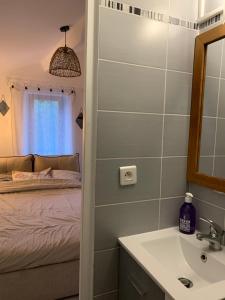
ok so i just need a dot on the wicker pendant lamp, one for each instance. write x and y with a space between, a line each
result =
64 62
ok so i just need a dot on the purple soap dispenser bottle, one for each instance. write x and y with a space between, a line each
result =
187 219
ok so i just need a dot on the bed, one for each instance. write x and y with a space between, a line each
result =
39 235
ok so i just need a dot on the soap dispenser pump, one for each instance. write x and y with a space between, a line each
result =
187 220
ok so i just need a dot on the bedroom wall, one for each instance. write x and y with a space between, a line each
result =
144 94
5 121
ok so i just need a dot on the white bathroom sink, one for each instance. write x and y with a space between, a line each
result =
167 255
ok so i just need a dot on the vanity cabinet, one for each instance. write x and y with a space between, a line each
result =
134 283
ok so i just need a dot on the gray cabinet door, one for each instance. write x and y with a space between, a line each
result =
134 283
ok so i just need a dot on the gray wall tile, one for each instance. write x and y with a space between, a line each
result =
132 39
147 187
211 96
214 52
221 109
223 62
169 211
181 48
126 87
220 137
206 165
208 211
106 271
208 136
176 131
174 177
114 221
108 296
219 169
178 93
208 195
128 135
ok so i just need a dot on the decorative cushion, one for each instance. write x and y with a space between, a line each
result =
16 163
63 162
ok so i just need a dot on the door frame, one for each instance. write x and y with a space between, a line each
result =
86 291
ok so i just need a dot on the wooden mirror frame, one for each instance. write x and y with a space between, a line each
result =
198 84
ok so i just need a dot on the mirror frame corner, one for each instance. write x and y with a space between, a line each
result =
198 82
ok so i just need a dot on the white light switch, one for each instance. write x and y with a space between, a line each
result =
128 175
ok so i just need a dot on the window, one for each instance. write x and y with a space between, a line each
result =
48 123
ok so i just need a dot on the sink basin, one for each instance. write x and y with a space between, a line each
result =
168 255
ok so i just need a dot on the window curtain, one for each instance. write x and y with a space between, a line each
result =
43 123
17 112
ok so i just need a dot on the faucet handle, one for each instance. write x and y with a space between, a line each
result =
214 228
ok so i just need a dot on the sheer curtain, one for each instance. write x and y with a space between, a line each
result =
43 122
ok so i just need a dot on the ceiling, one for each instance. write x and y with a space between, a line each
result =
29 35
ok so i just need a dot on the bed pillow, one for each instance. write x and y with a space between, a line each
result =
63 162
66 174
18 176
16 163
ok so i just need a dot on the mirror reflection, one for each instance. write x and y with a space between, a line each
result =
212 146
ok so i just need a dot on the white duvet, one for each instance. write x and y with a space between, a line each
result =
39 228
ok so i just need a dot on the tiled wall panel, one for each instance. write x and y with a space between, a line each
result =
144 95
178 93
124 87
132 39
129 135
147 187
113 221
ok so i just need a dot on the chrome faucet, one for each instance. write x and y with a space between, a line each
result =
215 237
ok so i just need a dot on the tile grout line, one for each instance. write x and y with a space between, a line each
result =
142 113
107 293
139 201
214 77
209 203
141 157
106 250
217 117
143 66
127 202
211 156
163 126
97 92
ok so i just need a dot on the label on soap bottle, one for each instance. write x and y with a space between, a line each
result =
185 225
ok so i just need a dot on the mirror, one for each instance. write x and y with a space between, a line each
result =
212 144
206 161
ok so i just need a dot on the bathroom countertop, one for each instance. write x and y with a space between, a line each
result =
165 276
